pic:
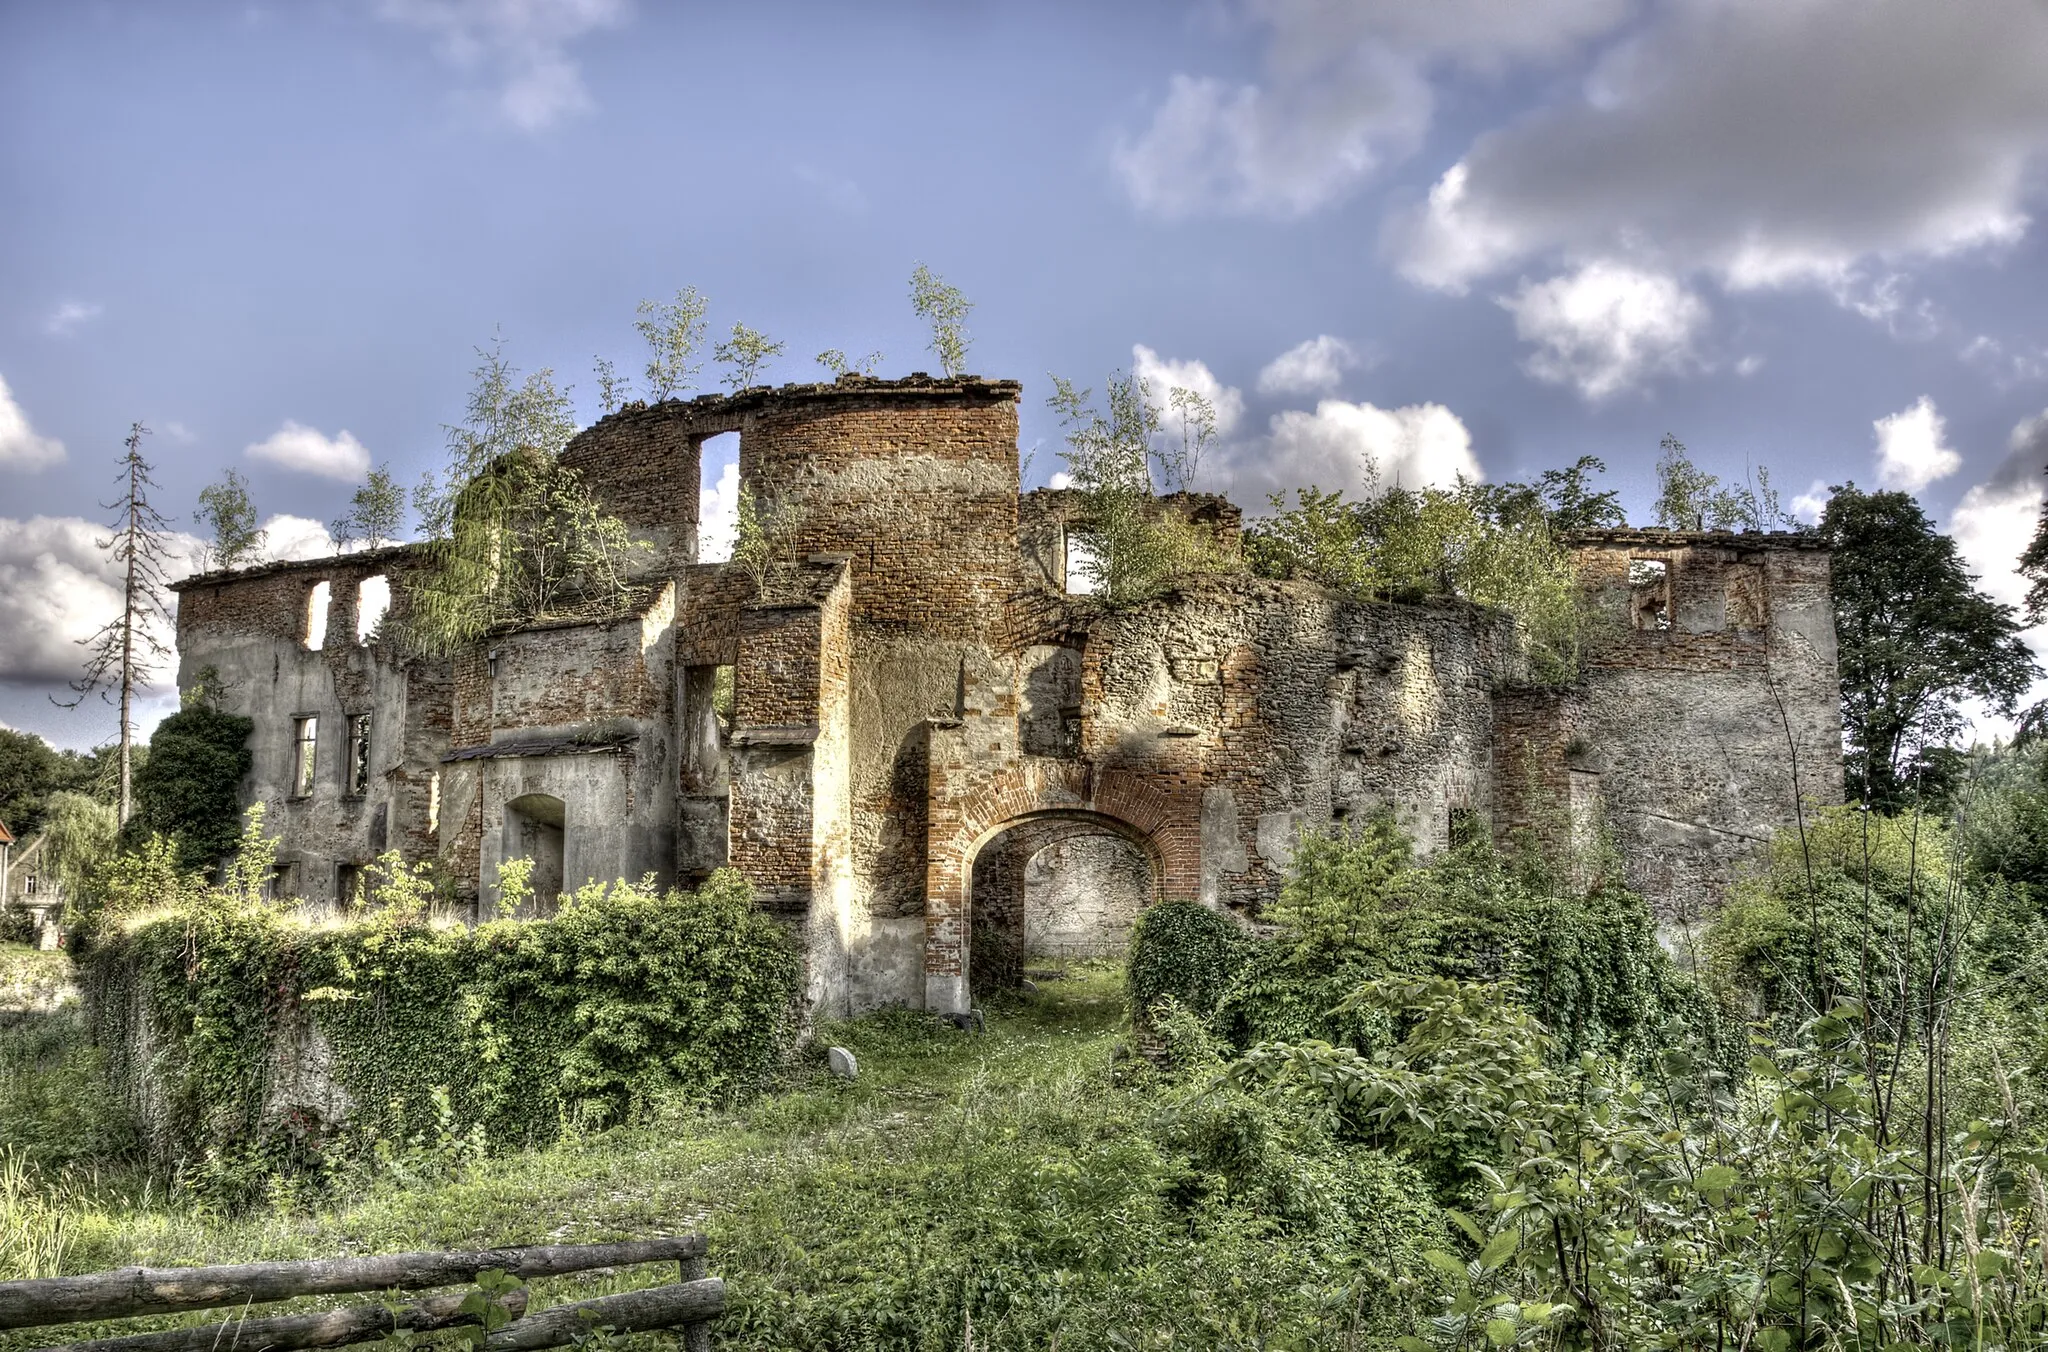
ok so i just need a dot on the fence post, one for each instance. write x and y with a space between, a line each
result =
697 1336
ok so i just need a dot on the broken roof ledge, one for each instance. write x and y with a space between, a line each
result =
789 734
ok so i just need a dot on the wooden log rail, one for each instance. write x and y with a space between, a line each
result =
687 1304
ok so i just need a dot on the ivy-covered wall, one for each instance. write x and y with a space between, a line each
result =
250 1040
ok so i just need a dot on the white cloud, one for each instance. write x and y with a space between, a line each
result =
1809 505
291 538
57 587
179 433
20 448
307 449
1913 449
70 316
522 45
1350 446
1607 327
1344 89
1992 525
718 515
1313 367
1822 142
1163 375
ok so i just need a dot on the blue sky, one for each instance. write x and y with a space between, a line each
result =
1492 236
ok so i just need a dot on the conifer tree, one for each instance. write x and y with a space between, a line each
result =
126 652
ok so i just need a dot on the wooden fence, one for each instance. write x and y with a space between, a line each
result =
687 1304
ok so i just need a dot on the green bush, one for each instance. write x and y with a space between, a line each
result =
624 999
188 789
1184 951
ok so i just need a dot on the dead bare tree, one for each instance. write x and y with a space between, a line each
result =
125 652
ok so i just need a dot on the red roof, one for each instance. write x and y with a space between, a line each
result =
6 836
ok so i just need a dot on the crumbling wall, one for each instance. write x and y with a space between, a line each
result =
1701 732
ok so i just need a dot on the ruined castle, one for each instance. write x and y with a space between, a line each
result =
932 757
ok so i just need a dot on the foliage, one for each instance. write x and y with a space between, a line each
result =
839 364
58 1110
745 352
80 835
1689 498
513 532
376 512
1142 546
1495 545
189 789
613 389
1678 1210
1915 639
31 771
1185 952
674 331
626 998
945 308
230 517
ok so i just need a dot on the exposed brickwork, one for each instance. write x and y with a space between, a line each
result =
921 720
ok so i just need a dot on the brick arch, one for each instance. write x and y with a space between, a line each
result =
1166 824
998 863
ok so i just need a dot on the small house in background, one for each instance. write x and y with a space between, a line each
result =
30 899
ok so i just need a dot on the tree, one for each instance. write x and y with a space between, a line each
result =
674 330
946 310
1195 415
30 771
745 351
80 835
1689 498
1915 638
190 789
226 512
375 515
512 533
126 652
839 364
613 389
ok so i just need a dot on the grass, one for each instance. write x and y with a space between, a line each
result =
33 981
1012 1189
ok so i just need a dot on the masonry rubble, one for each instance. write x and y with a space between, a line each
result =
934 759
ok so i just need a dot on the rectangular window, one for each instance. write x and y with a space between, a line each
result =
318 597
305 743
349 886
434 802
358 755
1649 585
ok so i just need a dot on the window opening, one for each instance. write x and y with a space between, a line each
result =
718 500
434 802
373 598
317 601
284 882
1083 564
305 742
349 885
1464 827
1649 585
359 755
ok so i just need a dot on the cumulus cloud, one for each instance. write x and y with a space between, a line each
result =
1770 145
20 447
1606 327
1992 525
57 587
307 449
1351 446
70 316
1314 367
287 537
521 46
1913 449
1344 90
718 516
1163 375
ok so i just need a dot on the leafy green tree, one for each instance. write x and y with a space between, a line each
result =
946 309
80 836
126 652
230 517
30 771
1689 498
613 389
1915 638
376 512
189 791
745 352
674 331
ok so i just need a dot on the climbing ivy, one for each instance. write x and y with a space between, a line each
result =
625 998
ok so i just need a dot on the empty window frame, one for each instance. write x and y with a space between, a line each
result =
318 597
434 802
358 755
373 598
350 886
305 748
1083 563
1649 590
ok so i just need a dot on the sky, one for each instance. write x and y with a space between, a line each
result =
1477 236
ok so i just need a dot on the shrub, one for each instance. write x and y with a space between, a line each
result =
1184 951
